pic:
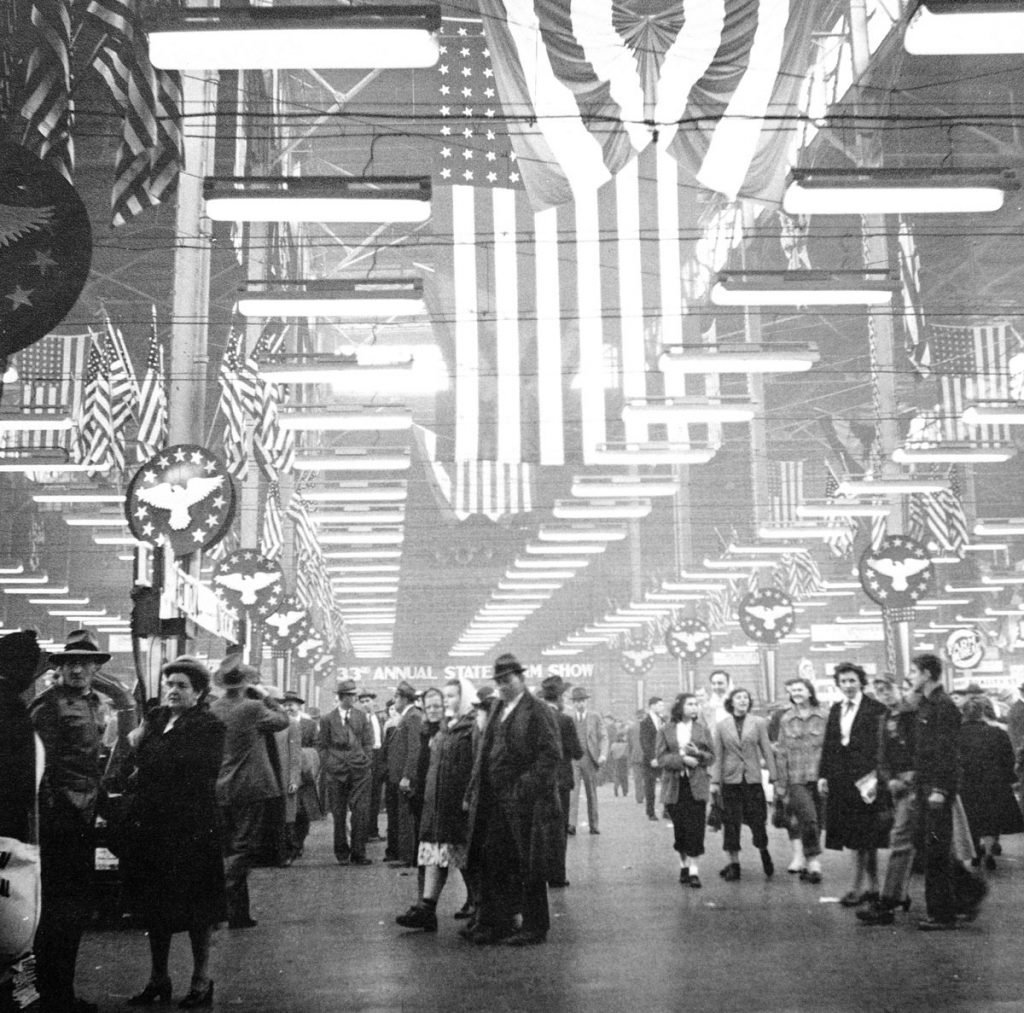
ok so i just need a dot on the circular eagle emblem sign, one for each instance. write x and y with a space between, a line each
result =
767 615
637 659
247 580
45 248
182 497
285 627
965 648
897 573
688 638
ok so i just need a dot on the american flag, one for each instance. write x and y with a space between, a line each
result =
785 490
972 364
798 574
101 443
939 520
793 230
151 153
840 544
272 537
47 383
915 333
312 581
152 401
124 387
236 393
273 446
46 104
590 85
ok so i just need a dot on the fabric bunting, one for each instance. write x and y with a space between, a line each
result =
938 519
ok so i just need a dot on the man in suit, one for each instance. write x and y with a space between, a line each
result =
367 701
636 755
593 737
514 805
403 756
649 726
345 745
552 689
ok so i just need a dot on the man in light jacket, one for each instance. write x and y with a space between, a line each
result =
593 736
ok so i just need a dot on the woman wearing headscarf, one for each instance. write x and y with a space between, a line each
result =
444 821
172 866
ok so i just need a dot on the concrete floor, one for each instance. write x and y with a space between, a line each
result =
624 936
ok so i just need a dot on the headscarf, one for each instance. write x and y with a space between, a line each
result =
467 696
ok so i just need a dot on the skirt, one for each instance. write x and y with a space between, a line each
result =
445 856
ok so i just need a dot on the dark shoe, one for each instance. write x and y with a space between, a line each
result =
390 856
905 904
990 863
852 899
242 923
654 818
571 831
695 883
594 830
466 911
525 939
766 863
361 860
488 936
398 864
996 849
935 925
976 861
558 884
731 872
684 877
154 992
813 878
877 914
197 999
418 917
467 931
342 861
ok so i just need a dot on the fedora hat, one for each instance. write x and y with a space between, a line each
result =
507 664
404 689
367 694
232 671
347 687
292 697
553 687
484 696
80 647
579 693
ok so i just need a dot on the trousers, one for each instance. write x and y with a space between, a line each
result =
585 773
744 803
350 793
803 804
242 826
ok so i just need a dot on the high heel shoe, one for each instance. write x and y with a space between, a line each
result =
154 992
198 998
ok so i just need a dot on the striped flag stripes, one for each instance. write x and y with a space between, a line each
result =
233 403
47 106
939 520
273 446
786 491
151 153
124 387
272 535
152 401
840 544
915 334
101 443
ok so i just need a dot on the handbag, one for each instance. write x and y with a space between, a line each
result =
19 898
780 818
716 815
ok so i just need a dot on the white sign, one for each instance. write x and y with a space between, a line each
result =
965 648
571 671
856 633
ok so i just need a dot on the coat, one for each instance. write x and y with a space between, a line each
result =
593 736
849 821
17 764
671 762
648 739
345 747
521 784
289 756
636 754
986 779
171 866
444 821
404 746
738 758
247 774
571 750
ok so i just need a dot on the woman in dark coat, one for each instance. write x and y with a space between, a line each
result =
172 865
849 754
444 821
986 781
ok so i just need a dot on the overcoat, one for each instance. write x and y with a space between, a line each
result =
986 779
444 820
670 760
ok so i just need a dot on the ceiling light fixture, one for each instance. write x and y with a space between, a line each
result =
282 37
994 413
368 299
999 528
569 510
580 533
804 288
740 357
891 486
357 492
901 190
812 511
626 487
630 454
353 460
34 422
674 411
955 28
558 563
951 453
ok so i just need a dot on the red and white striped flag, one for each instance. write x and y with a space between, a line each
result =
235 397
915 334
273 446
152 401
151 153
272 536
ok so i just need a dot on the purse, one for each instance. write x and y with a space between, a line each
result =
716 815
19 898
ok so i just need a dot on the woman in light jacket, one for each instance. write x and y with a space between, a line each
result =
741 746
683 752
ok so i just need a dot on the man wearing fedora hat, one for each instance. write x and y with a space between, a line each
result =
552 692
345 744
66 719
367 701
593 736
403 757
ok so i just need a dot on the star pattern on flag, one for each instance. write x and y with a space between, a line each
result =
484 155
897 573
182 497
767 615
245 579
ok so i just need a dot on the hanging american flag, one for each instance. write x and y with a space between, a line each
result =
235 398
939 520
915 334
972 364
151 153
273 446
272 537
102 443
124 387
591 85
840 544
798 574
152 401
48 373
46 105
785 490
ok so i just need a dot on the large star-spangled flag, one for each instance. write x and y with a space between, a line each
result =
587 86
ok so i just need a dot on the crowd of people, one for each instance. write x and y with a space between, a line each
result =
486 781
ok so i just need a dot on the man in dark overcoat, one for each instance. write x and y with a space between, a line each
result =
552 691
514 802
403 757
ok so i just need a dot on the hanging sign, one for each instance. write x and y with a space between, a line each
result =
689 639
182 497
965 648
247 580
767 615
287 625
45 248
896 574
637 659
